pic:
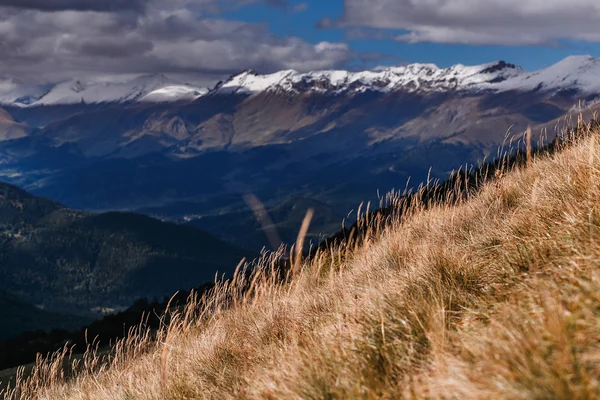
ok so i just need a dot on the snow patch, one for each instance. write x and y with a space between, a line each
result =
174 93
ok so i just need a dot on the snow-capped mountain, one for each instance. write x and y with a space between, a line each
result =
581 73
16 93
413 77
578 72
150 88
155 88
327 132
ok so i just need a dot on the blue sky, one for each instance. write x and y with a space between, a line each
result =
282 21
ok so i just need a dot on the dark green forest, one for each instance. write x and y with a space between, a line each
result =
86 264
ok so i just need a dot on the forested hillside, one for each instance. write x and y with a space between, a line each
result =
84 263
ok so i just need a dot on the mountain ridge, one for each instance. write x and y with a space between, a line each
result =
577 71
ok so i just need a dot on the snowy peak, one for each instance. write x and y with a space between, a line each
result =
249 81
78 87
581 73
576 72
92 93
147 88
412 77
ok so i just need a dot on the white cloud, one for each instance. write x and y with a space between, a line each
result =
171 37
300 7
506 22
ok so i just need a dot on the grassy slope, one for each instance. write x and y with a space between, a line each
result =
496 297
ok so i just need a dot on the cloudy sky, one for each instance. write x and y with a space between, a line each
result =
205 40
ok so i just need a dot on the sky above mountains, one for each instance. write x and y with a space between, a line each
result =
206 40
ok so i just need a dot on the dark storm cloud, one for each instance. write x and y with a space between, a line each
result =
77 5
498 22
108 47
167 36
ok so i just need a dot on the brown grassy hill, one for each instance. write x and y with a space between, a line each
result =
496 297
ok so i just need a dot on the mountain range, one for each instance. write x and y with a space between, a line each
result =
337 138
145 88
575 72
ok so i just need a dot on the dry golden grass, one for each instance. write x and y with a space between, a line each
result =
497 297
